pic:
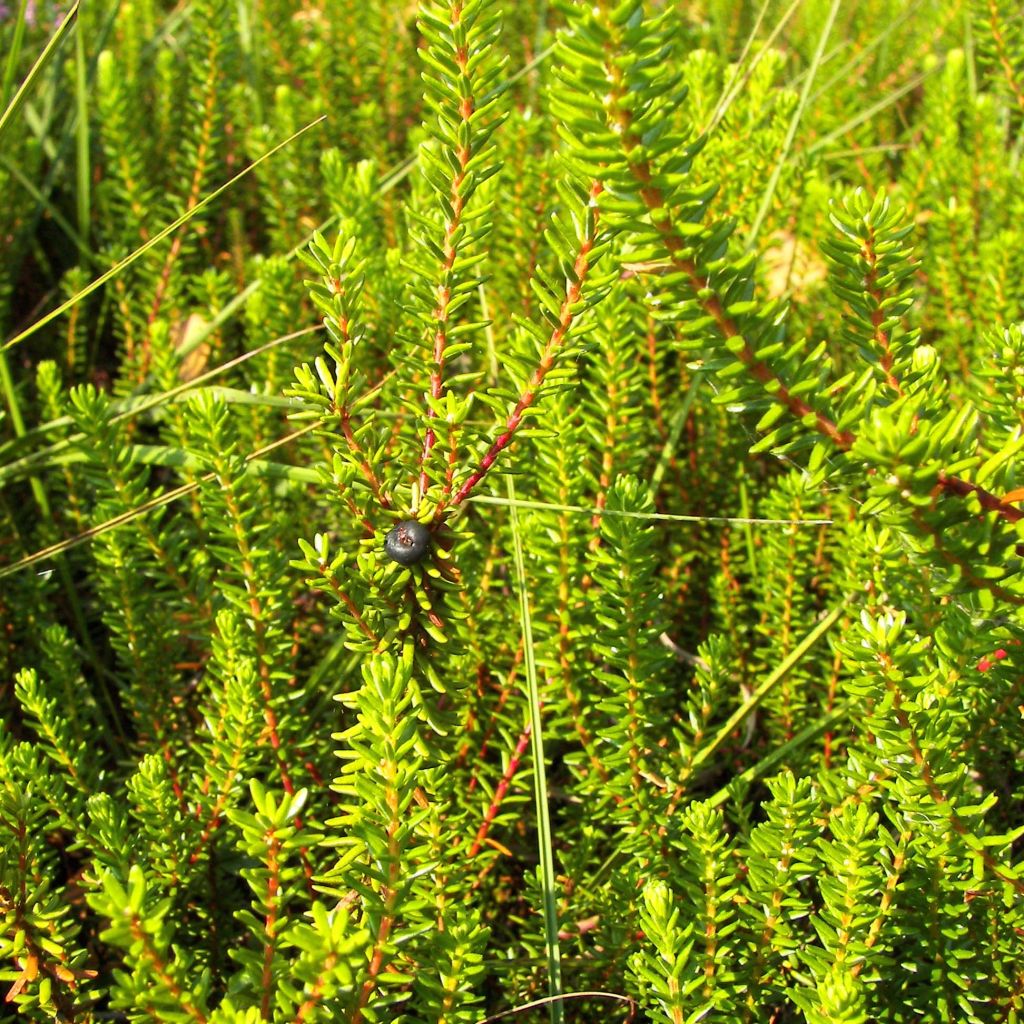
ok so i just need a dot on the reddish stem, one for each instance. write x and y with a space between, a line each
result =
676 245
988 501
573 294
499 793
269 924
881 338
452 228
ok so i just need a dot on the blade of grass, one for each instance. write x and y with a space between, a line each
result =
83 169
126 517
174 457
547 862
727 96
41 62
155 240
178 458
781 671
65 134
490 499
126 408
846 72
736 83
876 108
781 753
794 123
253 458
40 497
564 997
42 502
6 119
388 181
51 209
847 154
14 54
775 757
7 387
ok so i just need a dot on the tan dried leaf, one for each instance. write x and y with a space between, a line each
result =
195 357
793 267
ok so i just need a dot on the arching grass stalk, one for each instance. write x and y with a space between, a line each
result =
155 240
540 786
38 66
769 192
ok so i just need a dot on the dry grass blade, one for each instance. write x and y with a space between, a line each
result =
155 240
40 65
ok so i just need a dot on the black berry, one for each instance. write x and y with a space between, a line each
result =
408 542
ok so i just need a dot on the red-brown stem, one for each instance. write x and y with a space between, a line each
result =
652 374
357 450
988 501
202 151
383 933
1002 52
938 795
248 570
453 460
728 328
500 791
54 966
711 305
535 236
888 897
995 718
182 997
881 338
157 723
348 603
483 676
172 772
216 816
159 552
269 923
213 822
455 198
316 993
345 416
952 558
573 293
389 894
503 696
661 220
772 918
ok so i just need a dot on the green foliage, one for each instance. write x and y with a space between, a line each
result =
746 329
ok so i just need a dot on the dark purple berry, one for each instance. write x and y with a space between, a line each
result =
408 542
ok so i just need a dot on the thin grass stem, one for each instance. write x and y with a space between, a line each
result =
547 863
794 123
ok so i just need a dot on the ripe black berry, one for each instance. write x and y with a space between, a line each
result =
408 542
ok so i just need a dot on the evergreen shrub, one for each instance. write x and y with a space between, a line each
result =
512 511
